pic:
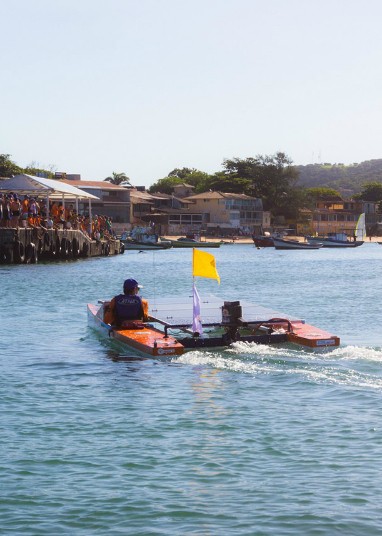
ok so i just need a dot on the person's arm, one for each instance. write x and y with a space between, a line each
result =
145 307
109 316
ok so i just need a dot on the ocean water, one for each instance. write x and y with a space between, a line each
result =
251 440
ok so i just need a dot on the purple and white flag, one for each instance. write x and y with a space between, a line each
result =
196 320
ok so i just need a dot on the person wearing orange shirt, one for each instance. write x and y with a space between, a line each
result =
55 212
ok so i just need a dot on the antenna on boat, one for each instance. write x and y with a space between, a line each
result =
154 271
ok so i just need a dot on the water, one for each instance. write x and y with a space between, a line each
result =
251 440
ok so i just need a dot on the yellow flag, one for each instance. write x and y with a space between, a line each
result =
204 265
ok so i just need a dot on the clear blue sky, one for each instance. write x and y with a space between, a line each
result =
144 86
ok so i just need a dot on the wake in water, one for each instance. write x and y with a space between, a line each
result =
347 366
358 353
351 366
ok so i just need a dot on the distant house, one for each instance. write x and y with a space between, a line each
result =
333 214
213 213
230 213
183 190
114 200
167 213
141 204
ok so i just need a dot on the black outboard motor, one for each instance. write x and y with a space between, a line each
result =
231 313
231 320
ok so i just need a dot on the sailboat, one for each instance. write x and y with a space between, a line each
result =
341 240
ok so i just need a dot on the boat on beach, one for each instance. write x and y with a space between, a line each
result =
281 243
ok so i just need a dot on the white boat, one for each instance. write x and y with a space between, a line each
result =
143 238
281 243
341 240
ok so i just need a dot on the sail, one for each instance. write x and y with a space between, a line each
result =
360 229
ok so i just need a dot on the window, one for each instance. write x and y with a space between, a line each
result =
186 219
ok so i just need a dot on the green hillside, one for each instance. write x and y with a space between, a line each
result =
347 179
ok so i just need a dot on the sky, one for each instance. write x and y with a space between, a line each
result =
145 86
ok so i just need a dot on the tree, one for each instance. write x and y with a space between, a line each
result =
181 173
198 179
271 178
227 183
34 169
165 185
321 192
118 178
341 177
7 167
371 191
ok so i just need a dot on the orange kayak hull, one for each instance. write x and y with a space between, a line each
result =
311 337
145 338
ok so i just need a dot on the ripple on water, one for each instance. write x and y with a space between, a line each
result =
249 440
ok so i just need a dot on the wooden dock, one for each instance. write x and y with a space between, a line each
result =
29 245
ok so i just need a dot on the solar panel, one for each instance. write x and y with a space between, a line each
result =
175 311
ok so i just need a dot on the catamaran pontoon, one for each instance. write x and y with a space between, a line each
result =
169 331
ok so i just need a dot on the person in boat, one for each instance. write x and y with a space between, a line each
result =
128 306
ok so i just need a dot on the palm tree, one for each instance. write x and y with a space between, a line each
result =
118 178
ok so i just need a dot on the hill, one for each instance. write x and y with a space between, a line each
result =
346 179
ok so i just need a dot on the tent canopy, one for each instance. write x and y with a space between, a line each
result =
28 184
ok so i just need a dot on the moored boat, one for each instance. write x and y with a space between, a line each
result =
342 240
281 243
135 245
184 242
335 240
142 238
263 241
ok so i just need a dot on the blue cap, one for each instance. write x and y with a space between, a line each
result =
130 284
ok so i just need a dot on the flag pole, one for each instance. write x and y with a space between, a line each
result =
197 326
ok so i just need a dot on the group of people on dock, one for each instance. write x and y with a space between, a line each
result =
31 212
